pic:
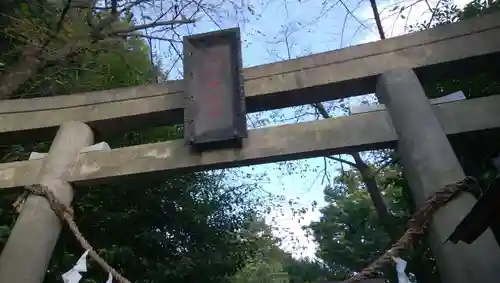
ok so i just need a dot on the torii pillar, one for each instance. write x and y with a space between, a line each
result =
28 250
429 164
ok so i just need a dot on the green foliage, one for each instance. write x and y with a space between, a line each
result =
191 228
479 7
261 270
273 265
184 230
266 265
127 63
349 233
305 270
93 65
474 150
188 228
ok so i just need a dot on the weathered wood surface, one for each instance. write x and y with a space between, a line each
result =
362 131
319 77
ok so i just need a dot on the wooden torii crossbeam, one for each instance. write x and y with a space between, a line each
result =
394 69
434 54
365 131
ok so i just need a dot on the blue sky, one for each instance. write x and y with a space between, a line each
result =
310 26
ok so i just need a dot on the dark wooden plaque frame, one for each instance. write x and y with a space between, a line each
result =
230 127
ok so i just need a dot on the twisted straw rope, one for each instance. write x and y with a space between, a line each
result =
417 225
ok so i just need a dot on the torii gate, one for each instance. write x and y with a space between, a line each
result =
393 68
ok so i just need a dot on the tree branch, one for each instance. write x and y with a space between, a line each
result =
18 74
378 22
353 16
388 162
63 15
366 174
29 62
338 159
150 25
321 110
33 58
149 37
434 11
135 3
368 177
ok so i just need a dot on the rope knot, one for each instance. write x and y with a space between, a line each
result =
65 213
418 224
61 210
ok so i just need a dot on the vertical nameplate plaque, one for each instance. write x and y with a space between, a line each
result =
214 109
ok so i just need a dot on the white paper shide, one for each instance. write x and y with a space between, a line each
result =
74 276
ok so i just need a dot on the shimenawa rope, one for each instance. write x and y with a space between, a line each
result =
417 225
65 213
